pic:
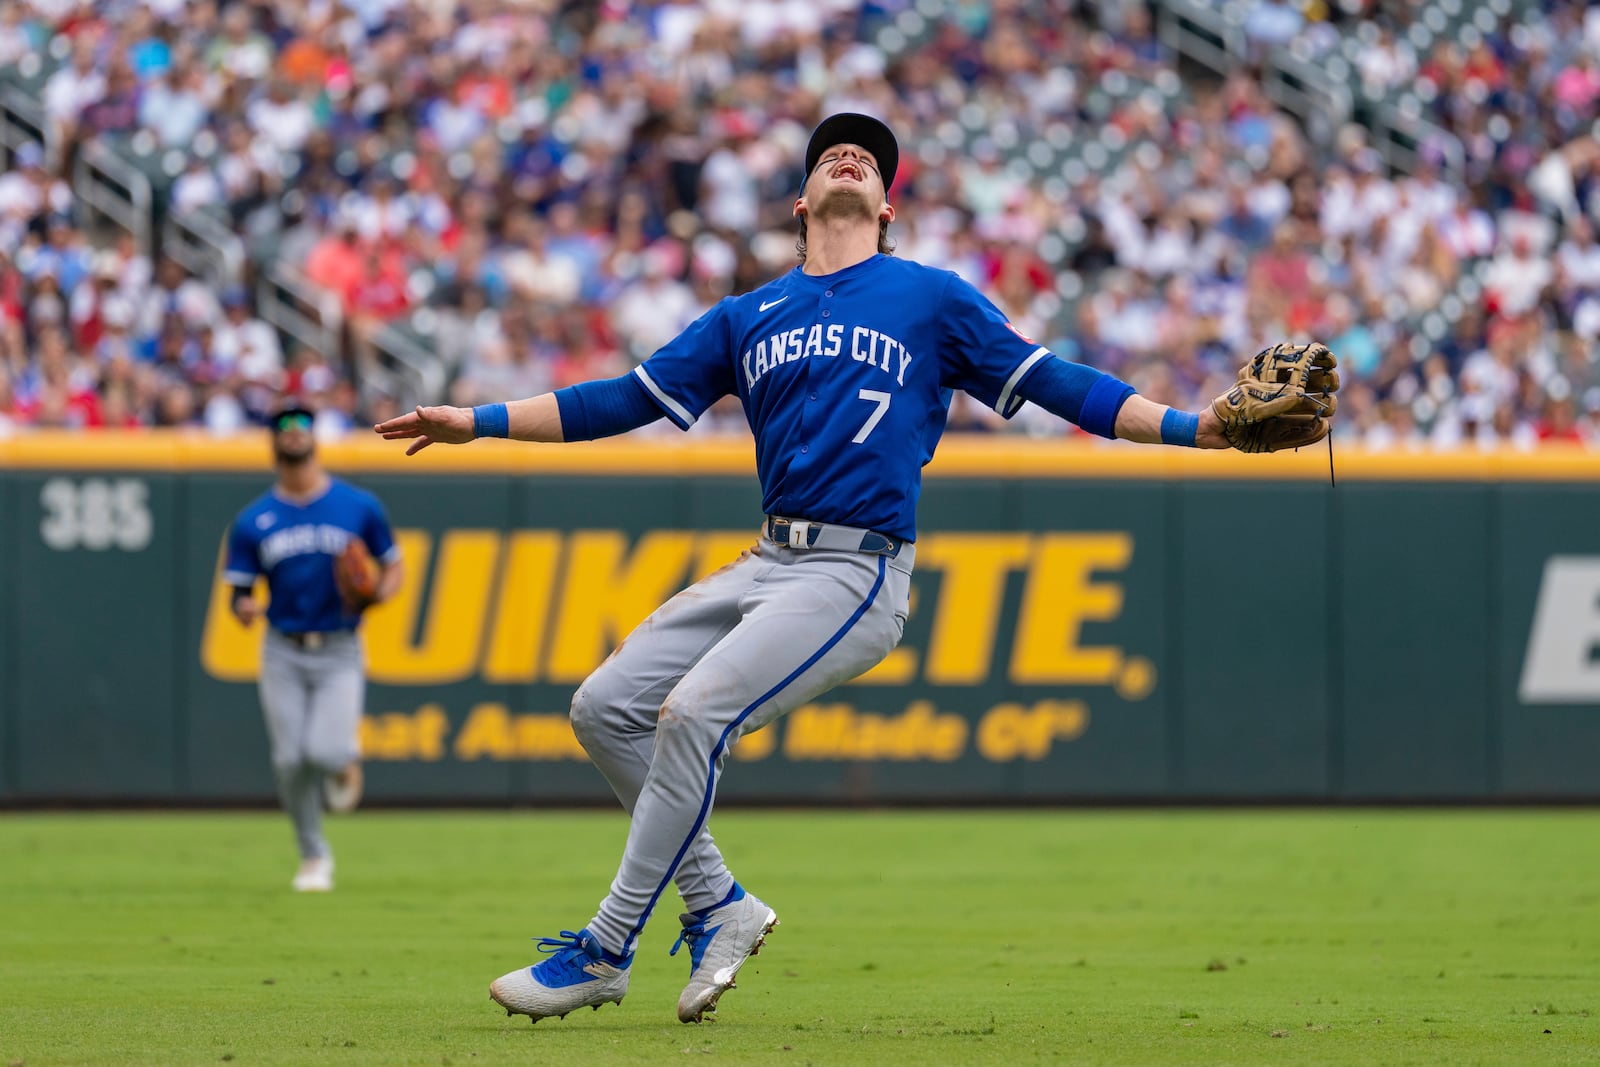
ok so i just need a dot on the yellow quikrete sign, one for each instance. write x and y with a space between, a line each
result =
548 606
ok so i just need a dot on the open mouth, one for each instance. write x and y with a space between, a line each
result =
849 170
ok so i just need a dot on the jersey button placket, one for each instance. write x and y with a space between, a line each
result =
825 314
811 394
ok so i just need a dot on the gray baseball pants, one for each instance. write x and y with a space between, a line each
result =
726 656
312 700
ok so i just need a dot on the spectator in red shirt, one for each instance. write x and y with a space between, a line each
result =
62 400
379 291
335 261
375 298
1559 422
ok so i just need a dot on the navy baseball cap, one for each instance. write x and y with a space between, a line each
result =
847 127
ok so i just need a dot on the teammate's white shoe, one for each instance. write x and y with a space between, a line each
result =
342 792
720 939
578 974
314 876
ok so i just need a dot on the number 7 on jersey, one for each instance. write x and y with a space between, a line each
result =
880 398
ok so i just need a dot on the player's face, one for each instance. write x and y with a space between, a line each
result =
845 182
292 440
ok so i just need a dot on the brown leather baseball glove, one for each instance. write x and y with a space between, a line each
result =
355 572
1285 398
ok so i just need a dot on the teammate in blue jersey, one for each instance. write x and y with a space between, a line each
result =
312 680
845 367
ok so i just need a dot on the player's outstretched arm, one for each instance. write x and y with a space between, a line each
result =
1108 407
1285 397
582 412
1143 421
538 418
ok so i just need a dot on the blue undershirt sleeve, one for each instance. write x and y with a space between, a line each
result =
1079 394
591 410
243 563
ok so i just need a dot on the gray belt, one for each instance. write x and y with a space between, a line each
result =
311 640
797 533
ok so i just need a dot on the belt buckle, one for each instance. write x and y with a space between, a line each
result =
312 641
792 533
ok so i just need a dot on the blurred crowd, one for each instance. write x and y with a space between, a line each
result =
544 192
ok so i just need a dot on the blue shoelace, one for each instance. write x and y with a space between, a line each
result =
566 966
567 940
691 936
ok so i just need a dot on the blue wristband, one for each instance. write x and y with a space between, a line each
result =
1102 404
491 420
1179 427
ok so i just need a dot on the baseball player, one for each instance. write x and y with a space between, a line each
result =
845 368
300 535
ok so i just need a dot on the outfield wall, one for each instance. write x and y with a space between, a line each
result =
1087 623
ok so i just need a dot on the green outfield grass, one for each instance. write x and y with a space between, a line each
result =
1340 937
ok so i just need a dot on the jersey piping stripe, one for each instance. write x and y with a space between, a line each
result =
722 742
1004 405
679 413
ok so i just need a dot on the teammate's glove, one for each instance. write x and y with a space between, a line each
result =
355 572
1285 398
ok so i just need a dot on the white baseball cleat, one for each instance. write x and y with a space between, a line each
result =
579 974
720 939
314 876
342 792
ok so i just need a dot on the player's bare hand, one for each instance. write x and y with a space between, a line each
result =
247 609
443 425
1209 433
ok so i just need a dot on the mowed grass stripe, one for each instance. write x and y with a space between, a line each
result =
1337 937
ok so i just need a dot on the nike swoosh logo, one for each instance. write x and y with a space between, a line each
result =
773 304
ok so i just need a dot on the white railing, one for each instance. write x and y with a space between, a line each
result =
1202 33
314 318
105 183
1215 39
1401 136
102 182
1213 36
22 120
204 247
416 374
1321 103
288 300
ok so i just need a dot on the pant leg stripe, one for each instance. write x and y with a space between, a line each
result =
717 749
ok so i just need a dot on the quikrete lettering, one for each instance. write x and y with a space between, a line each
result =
547 606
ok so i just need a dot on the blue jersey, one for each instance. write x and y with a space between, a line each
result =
294 546
846 380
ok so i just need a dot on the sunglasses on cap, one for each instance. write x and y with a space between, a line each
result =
295 421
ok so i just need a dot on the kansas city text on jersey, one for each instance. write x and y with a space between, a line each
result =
869 346
302 540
